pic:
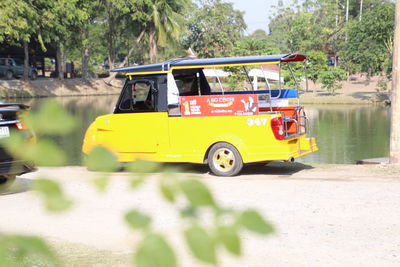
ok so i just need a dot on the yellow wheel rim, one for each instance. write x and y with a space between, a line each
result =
224 159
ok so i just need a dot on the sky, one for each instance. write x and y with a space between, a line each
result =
257 12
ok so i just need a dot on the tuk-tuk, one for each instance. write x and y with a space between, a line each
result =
175 111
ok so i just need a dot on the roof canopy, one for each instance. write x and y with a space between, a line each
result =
188 63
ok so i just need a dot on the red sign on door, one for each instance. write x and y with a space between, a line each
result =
219 105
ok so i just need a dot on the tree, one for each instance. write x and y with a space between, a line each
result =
303 29
370 41
161 20
19 23
60 19
214 27
248 46
317 63
331 78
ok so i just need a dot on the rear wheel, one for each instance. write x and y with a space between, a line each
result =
6 181
224 160
9 75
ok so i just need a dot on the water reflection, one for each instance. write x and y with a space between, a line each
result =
345 133
85 109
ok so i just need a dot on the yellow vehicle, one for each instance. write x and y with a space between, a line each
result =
169 112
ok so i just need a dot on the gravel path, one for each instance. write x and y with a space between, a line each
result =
325 216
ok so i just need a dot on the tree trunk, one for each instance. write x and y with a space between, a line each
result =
111 34
26 61
113 74
394 156
85 52
60 63
152 45
361 9
347 17
337 14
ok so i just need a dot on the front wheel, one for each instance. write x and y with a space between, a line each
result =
224 160
9 75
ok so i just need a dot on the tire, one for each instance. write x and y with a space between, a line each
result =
224 160
33 75
9 75
6 181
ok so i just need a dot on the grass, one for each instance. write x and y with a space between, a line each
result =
79 255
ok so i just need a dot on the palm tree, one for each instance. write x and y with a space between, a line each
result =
164 24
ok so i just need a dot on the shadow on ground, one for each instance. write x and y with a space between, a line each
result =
20 185
275 168
363 95
272 168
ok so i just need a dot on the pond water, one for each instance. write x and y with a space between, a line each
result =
345 133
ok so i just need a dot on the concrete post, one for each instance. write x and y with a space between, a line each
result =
394 156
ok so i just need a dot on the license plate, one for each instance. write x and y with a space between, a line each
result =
4 132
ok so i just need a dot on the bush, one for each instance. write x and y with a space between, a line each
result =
331 79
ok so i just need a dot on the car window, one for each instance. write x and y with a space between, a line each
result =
187 84
140 91
9 62
138 97
19 62
2 61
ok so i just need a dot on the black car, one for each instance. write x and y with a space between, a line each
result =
10 123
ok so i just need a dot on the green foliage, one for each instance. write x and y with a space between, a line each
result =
137 220
292 78
253 221
168 189
52 194
19 21
154 251
331 78
250 46
317 63
45 120
101 182
102 160
207 225
201 244
197 193
370 41
214 27
229 237
303 29
15 249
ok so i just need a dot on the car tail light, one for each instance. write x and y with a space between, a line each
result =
277 128
21 126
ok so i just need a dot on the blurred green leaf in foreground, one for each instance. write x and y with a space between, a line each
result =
206 226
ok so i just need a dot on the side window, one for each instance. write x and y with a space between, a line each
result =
138 97
187 84
2 62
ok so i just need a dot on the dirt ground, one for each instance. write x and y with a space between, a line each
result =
325 215
54 87
359 91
